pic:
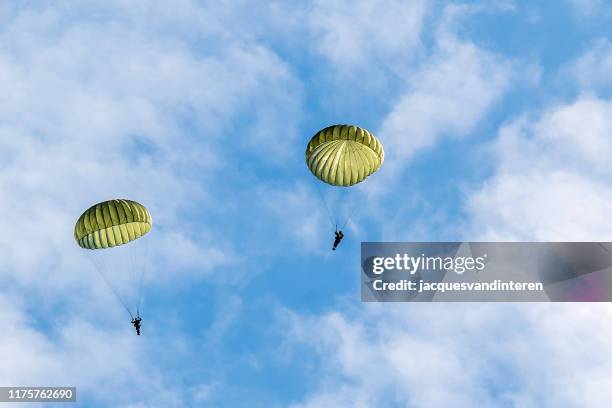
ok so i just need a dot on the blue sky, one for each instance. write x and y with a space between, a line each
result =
496 121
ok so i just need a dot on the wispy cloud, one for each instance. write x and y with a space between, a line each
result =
453 89
592 70
435 355
590 8
367 35
552 177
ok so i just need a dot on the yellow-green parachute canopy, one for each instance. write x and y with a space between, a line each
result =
112 223
343 155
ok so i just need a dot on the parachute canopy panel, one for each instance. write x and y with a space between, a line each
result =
344 155
112 223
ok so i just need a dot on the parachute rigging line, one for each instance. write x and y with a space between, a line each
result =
113 290
355 209
329 213
142 273
353 212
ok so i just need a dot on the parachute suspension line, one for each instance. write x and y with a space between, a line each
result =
334 221
140 291
329 213
98 269
117 295
143 267
354 210
133 274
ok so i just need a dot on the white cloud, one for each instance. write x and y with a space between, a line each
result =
301 214
102 101
353 33
551 183
592 70
450 93
552 177
94 108
590 8
105 366
436 355
205 391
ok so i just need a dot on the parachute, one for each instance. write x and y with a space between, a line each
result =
111 232
112 223
344 155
